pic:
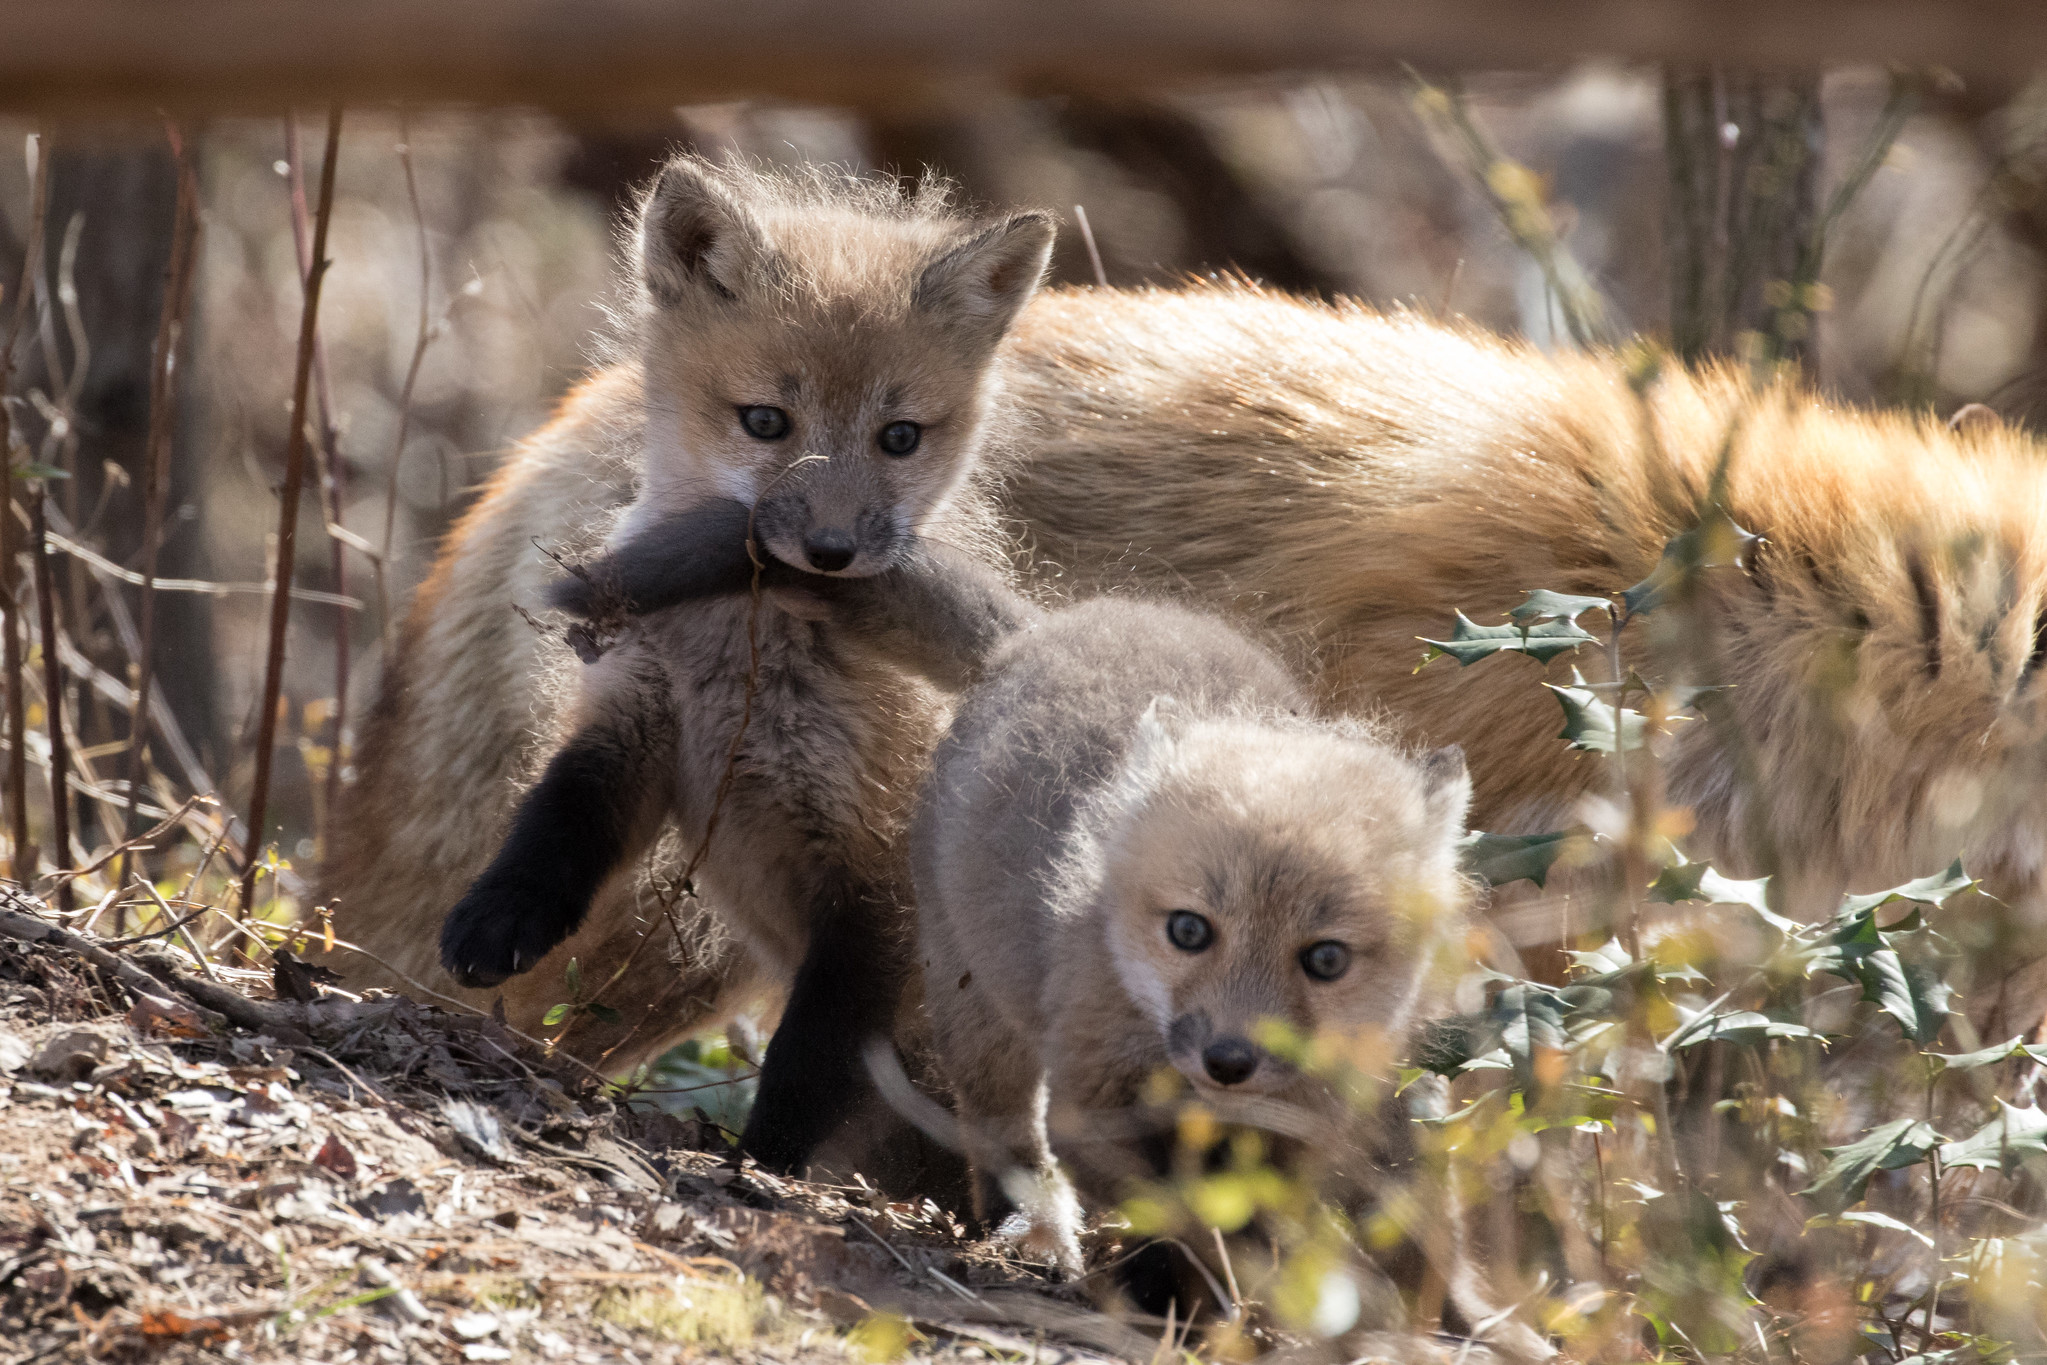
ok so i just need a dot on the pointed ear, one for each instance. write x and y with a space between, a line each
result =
694 239
1446 788
982 283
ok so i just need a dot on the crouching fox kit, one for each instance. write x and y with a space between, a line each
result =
1135 852
817 357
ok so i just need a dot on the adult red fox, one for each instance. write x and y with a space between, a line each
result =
1348 479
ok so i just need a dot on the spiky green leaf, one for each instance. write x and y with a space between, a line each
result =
1744 1028
1891 1147
2010 1137
1693 881
1544 605
1715 541
1934 890
1588 721
1990 1056
1531 1023
1469 642
1497 859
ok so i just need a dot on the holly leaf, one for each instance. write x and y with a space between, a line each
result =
1990 1056
1910 992
1609 959
1469 642
2007 1139
1745 1028
1497 859
1891 1147
1934 890
1688 881
1715 541
1588 721
1873 1219
1544 605
1531 1022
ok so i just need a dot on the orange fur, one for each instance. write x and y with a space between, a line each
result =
1348 479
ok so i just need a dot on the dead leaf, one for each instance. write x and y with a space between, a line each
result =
334 1156
70 1056
293 978
169 1324
155 1016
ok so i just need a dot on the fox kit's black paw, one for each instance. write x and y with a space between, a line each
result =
494 933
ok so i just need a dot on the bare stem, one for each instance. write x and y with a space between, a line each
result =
53 694
333 472
10 549
419 345
163 407
287 519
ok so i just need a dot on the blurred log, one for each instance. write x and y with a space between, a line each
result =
589 54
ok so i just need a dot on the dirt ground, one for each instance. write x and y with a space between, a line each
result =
375 1180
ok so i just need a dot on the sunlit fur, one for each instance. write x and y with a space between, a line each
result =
1122 762
849 306
1349 478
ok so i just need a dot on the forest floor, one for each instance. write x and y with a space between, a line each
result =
199 1162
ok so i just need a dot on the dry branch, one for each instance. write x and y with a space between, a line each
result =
288 516
10 549
53 689
256 55
332 471
163 403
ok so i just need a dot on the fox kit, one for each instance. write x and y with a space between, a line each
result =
821 356
1136 854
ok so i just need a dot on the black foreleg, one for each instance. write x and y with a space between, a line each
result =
578 824
845 993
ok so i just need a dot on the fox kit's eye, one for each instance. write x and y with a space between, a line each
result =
1325 961
765 424
899 438
1190 932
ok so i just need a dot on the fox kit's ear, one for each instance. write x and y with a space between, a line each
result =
1446 787
694 238
983 282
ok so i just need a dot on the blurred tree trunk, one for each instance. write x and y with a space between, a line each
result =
1744 159
1152 146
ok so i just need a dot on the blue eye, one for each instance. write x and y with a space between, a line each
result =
1325 961
764 424
899 438
1189 932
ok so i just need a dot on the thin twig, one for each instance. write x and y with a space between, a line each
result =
163 406
121 850
419 345
99 563
332 474
10 573
287 518
53 690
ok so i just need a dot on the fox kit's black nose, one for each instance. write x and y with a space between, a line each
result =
1229 1060
828 550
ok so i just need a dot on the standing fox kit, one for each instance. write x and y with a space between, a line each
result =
818 359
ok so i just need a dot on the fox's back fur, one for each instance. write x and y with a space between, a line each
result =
1352 478
1349 479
